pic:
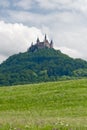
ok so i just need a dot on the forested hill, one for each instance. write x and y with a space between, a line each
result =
41 65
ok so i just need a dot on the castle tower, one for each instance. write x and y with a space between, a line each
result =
51 44
38 41
46 43
45 37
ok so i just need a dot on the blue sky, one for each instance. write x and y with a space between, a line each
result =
64 21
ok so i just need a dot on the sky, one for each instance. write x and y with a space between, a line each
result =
64 21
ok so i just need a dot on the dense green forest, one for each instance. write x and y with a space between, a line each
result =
40 66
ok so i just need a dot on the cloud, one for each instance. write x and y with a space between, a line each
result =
64 21
15 38
4 3
53 4
72 41
64 5
71 52
56 5
23 4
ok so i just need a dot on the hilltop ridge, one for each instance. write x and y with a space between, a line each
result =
43 65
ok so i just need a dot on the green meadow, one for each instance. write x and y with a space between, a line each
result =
46 106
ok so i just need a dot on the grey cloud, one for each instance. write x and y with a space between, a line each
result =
73 5
24 4
4 3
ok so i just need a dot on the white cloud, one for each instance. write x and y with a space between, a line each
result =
72 41
71 52
15 38
80 5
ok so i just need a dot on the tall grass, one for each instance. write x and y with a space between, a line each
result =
46 106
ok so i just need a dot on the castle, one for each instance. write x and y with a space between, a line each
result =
41 45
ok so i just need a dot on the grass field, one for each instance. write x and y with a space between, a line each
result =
46 106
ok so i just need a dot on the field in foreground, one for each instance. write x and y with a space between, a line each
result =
46 106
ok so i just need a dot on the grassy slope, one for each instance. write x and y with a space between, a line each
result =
45 106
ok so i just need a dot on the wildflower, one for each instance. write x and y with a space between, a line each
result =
67 124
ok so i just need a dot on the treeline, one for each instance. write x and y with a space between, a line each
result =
40 66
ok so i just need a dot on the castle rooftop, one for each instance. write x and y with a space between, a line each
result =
41 45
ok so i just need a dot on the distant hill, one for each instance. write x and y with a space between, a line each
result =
45 64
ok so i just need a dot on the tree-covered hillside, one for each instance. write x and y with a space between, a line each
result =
41 65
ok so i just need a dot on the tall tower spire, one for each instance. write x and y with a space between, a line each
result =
38 40
51 44
45 37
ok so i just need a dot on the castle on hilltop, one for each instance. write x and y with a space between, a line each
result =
41 45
